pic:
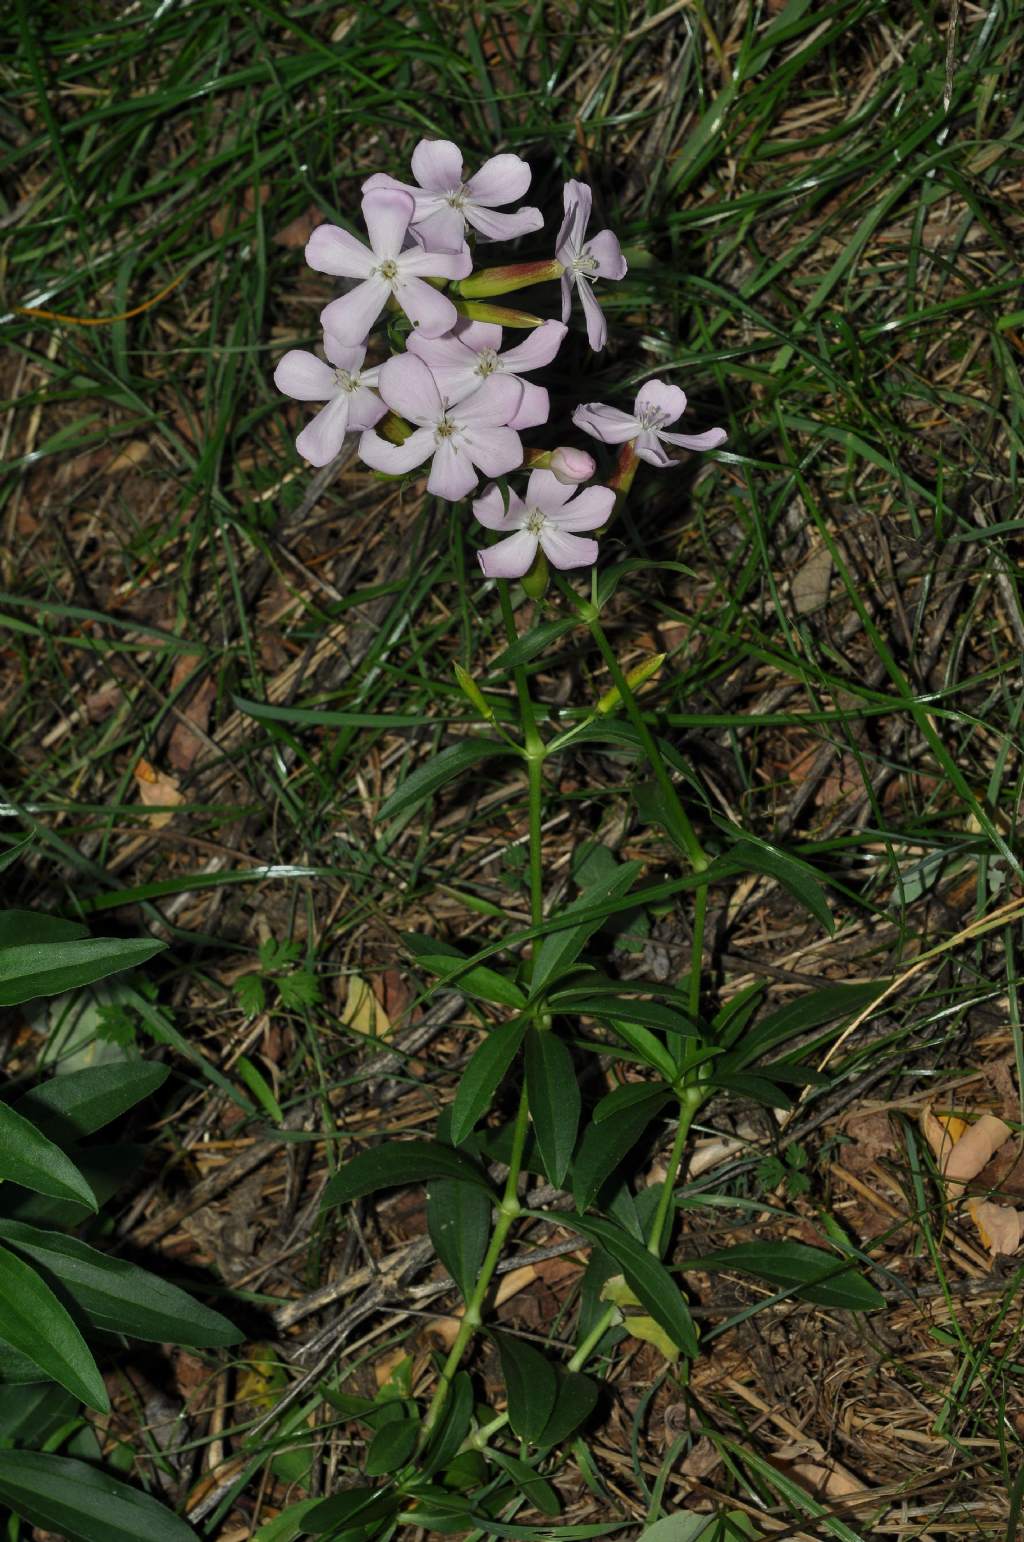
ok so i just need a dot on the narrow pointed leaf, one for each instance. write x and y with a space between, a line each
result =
459 1222
448 963
575 1402
48 969
20 927
817 1275
397 1163
532 1384
83 1503
608 1142
29 1158
647 1276
33 1322
74 1104
553 1095
555 952
440 769
483 1076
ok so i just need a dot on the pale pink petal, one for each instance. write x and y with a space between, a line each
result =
534 409
448 351
395 459
502 179
451 473
597 326
589 510
490 510
544 491
304 377
437 165
571 466
495 450
606 423
478 334
567 551
381 179
565 283
430 311
346 356
646 447
510 558
495 402
605 248
709 441
538 348
658 397
332 250
578 197
365 408
407 386
442 230
417 260
387 212
504 227
321 439
564 232
351 316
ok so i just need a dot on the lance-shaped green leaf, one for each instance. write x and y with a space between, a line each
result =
21 927
459 1222
116 1295
483 1075
449 964
439 770
73 1105
532 1384
609 1140
29 1158
50 968
810 1272
454 1427
82 1503
33 1322
397 1163
811 1011
646 1275
555 952
575 1402
352 1507
553 1096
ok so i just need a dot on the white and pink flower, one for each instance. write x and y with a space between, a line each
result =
470 354
547 519
445 203
586 261
347 388
657 405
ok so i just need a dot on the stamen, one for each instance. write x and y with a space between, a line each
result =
487 362
535 521
388 269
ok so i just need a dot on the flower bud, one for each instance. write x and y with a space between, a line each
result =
571 466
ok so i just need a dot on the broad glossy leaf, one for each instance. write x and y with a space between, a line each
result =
82 1503
653 1285
446 962
575 1402
48 969
818 1276
19 927
116 1295
483 1075
29 1158
105 1168
33 1322
74 1104
607 1143
459 1222
554 953
436 772
553 1095
396 1163
532 1383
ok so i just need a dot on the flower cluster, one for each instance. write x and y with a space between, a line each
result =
453 396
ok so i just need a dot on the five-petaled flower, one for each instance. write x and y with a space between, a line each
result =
547 518
474 433
469 355
385 270
445 203
342 383
585 261
656 406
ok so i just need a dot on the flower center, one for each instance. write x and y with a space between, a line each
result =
456 196
487 361
585 264
346 381
388 269
445 430
651 417
535 521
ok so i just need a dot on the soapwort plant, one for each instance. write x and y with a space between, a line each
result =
450 404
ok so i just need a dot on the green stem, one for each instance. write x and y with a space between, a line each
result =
689 1102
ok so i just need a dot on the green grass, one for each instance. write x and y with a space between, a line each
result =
824 236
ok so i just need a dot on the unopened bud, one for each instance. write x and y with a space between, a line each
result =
536 579
572 466
487 282
498 315
474 693
635 679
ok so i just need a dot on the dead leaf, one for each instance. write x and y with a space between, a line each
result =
157 788
298 231
363 1012
810 583
129 457
998 1226
184 745
961 1152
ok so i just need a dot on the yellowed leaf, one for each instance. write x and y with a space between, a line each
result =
129 457
157 789
961 1152
639 1327
998 1225
362 1010
974 1150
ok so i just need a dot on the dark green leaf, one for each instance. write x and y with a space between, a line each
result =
575 1402
481 1078
537 1491
532 1384
608 1142
72 1105
397 1163
652 1014
754 856
21 927
118 1296
553 1095
429 778
535 641
646 1276
818 1276
769 1094
33 1322
105 1168
30 1415
11 855
82 1503
459 1222
47 969
555 952
391 1447
29 1158
445 961
355 1505
799 1016
455 1426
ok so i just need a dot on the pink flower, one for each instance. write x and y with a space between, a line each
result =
345 388
586 261
572 466
385 270
459 438
656 405
546 519
460 361
445 203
